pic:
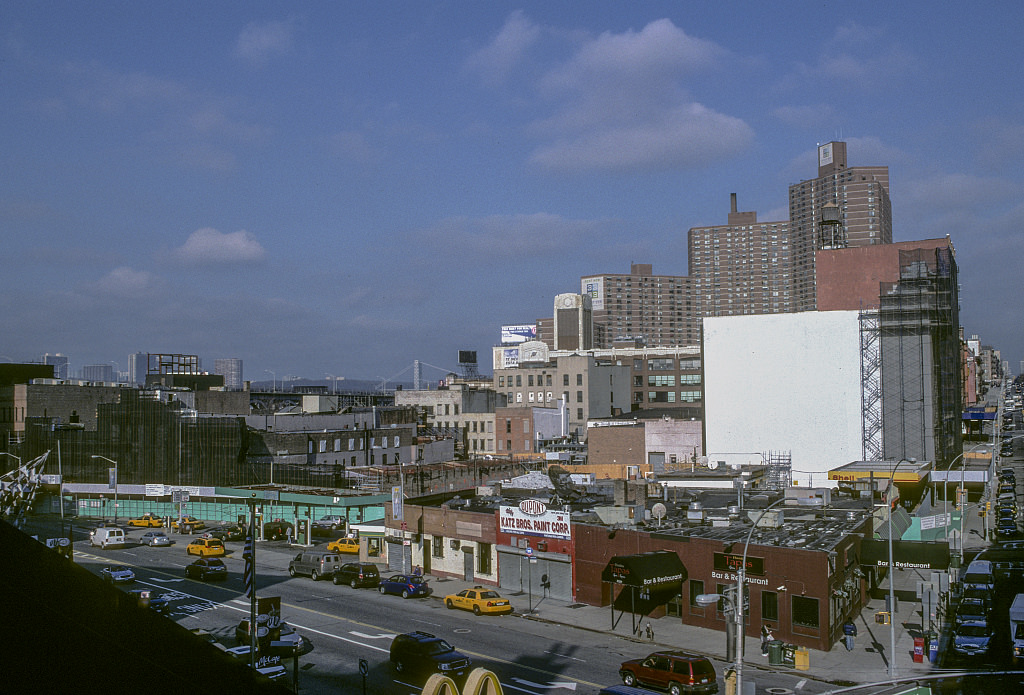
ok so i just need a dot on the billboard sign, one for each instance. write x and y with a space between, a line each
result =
509 358
594 288
513 335
533 518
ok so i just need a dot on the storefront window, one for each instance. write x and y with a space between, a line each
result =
805 611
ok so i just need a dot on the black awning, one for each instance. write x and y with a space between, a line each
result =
906 554
651 571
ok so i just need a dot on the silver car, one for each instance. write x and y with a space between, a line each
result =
154 538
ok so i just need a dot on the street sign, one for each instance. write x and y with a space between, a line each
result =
364 667
529 551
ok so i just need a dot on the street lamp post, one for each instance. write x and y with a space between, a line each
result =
892 574
97 456
273 380
738 602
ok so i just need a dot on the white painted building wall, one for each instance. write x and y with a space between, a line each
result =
785 382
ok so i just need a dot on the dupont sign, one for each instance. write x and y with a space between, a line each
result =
533 518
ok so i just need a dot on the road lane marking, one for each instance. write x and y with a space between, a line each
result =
567 686
383 635
565 656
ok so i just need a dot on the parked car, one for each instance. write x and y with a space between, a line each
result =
316 564
331 522
118 574
148 598
405 585
155 538
1006 528
227 533
422 653
205 547
677 672
188 524
276 530
479 600
971 639
280 641
357 574
344 545
147 520
206 568
975 606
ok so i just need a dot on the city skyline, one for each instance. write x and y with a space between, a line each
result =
344 189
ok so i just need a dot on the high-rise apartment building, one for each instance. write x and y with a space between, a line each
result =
137 364
98 372
742 267
59 363
842 207
642 308
231 369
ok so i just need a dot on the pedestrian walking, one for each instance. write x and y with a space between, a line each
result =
766 637
650 632
849 634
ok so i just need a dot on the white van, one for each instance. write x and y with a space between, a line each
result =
107 537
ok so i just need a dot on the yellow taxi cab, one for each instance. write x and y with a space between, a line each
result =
147 520
205 547
344 545
188 523
479 600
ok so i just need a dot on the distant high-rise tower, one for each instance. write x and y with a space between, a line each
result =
573 322
743 267
859 196
60 365
652 310
231 369
137 363
98 372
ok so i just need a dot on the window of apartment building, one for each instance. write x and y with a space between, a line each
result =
531 396
508 444
323 446
805 611
337 444
500 443
540 396
638 396
549 397
565 397
579 413
579 396
638 380
501 381
309 447
474 425
456 409
661 364
689 378
490 426
548 381
696 589
689 396
638 364
565 380
519 398
483 558
526 426
769 605
529 380
661 379
508 425
437 547
396 441
579 380
519 379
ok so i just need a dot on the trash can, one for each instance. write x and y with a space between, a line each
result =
802 659
933 650
919 649
789 655
775 652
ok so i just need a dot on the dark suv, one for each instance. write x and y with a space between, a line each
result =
423 653
677 672
357 574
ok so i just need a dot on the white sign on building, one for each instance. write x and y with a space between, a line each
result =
532 518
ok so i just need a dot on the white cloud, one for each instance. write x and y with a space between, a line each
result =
207 246
128 283
259 42
855 56
495 61
621 104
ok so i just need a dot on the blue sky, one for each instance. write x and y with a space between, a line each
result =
344 187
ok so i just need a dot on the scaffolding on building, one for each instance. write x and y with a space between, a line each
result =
921 373
870 386
779 469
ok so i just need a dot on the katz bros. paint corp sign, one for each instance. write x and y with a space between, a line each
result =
533 518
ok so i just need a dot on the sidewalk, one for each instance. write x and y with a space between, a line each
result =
867 663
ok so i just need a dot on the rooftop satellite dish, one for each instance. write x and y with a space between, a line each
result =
658 512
